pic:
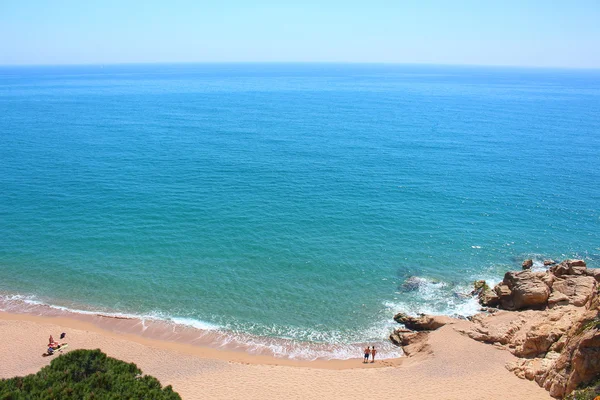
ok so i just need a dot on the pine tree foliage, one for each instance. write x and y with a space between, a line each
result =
86 374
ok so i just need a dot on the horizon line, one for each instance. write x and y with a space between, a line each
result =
98 64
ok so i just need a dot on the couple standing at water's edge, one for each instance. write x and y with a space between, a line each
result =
369 352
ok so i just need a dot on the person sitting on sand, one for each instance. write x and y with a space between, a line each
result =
50 341
373 352
367 352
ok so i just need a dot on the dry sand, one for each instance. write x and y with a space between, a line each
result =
457 368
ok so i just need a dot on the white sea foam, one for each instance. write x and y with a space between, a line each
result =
421 295
194 323
15 302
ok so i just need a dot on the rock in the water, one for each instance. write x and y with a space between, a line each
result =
549 262
478 286
486 296
412 283
578 289
423 322
527 290
527 264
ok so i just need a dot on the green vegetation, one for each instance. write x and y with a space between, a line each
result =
480 287
86 374
589 392
593 324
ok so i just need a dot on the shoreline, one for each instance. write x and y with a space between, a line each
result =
465 370
173 331
207 352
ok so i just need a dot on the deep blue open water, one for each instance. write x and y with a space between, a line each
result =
290 201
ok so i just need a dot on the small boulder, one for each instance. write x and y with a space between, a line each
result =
549 262
527 290
527 264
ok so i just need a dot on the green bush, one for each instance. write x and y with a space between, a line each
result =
86 374
586 392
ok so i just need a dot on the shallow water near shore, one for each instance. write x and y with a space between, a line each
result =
295 206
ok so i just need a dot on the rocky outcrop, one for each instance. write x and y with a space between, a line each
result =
575 362
556 333
413 338
525 333
579 362
569 282
422 322
550 320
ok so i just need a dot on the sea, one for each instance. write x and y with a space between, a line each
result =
292 208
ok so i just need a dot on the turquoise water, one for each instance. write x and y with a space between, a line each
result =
290 201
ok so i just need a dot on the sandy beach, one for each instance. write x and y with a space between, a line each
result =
455 368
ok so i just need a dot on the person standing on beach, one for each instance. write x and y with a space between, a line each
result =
367 352
373 352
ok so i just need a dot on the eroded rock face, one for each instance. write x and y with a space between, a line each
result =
557 299
525 333
579 361
577 288
594 273
411 342
422 322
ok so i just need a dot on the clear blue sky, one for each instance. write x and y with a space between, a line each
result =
526 33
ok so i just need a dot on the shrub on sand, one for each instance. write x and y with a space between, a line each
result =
86 374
